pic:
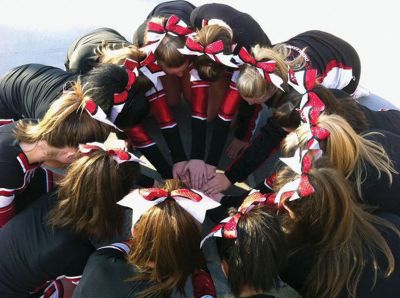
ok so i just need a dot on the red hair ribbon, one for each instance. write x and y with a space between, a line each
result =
213 50
174 26
194 202
227 228
266 68
119 155
97 113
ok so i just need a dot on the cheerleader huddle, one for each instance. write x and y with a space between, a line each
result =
325 222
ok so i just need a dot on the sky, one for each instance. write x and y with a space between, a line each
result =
41 31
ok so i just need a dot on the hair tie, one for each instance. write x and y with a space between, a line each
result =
119 155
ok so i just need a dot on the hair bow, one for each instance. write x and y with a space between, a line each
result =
97 113
174 26
120 98
213 50
227 228
300 163
265 68
194 202
119 155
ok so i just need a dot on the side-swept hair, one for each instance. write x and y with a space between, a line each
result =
347 151
168 237
88 195
255 258
65 124
342 233
208 69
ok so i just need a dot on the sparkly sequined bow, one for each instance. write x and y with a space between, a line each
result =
194 202
213 50
265 68
119 155
301 187
174 26
227 228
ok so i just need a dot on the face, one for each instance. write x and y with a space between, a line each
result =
262 99
177 71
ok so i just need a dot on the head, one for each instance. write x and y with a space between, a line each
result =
168 57
208 69
166 245
103 82
64 126
332 223
288 116
254 259
253 87
88 194
347 151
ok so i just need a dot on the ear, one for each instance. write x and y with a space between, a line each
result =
224 268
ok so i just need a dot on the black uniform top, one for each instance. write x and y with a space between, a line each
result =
27 91
272 134
181 9
81 55
300 264
32 253
107 274
331 56
378 191
246 31
17 175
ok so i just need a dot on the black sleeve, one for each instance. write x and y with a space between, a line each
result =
246 120
155 157
268 139
82 59
218 140
199 131
173 139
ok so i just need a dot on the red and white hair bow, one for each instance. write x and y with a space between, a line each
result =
119 155
227 228
265 68
301 187
194 202
173 26
121 98
214 51
97 113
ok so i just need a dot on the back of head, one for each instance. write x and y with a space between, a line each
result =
102 82
208 69
66 123
166 245
341 234
347 151
88 194
251 83
255 258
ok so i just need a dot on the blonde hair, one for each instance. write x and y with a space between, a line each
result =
251 83
65 124
347 151
88 194
168 236
112 54
208 69
343 234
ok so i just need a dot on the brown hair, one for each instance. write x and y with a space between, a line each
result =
167 53
347 151
251 83
208 69
343 235
286 114
65 124
117 55
88 194
258 232
169 237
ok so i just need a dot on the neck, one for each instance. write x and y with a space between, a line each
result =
35 152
